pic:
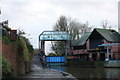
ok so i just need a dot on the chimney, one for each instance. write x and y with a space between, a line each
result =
13 35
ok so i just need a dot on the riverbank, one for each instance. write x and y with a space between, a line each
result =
39 73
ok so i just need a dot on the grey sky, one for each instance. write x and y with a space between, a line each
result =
35 16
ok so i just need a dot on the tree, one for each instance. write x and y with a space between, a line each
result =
105 24
76 29
85 28
61 25
73 27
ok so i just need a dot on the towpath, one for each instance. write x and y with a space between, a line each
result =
39 73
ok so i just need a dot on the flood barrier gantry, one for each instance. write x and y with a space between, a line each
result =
55 36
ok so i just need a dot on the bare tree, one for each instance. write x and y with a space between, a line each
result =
105 24
73 27
76 29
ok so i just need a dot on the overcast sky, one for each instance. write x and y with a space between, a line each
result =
35 16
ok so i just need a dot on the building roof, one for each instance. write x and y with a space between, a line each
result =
83 39
109 34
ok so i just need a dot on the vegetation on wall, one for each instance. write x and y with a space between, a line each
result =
24 52
25 49
6 68
8 28
22 49
5 39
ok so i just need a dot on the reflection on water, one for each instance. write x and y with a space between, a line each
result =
112 73
79 72
55 63
57 66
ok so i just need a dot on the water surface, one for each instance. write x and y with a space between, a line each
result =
86 72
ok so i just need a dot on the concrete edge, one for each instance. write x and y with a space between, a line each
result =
67 75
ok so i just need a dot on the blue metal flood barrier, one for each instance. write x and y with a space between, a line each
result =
55 59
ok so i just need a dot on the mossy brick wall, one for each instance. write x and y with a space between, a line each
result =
10 53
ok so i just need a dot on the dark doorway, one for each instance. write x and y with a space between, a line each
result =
102 56
94 57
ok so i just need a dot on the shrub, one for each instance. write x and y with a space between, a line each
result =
5 39
6 68
25 49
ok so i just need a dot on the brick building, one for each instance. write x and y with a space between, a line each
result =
9 51
8 32
87 48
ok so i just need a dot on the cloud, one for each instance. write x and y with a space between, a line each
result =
35 16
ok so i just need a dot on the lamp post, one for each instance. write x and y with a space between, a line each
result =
39 42
107 54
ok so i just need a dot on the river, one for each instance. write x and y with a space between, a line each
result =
86 72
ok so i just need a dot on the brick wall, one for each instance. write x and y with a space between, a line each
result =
10 53
81 51
115 50
73 57
13 35
88 44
